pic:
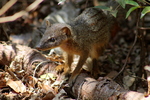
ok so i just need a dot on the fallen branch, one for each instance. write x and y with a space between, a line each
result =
87 88
26 56
21 13
7 6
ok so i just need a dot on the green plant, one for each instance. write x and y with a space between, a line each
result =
143 4
140 31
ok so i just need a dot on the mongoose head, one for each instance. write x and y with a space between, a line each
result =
54 36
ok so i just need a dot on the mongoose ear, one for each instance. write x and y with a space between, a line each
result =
48 24
66 30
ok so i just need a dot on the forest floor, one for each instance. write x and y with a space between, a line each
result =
28 74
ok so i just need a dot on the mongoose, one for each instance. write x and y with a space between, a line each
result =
86 36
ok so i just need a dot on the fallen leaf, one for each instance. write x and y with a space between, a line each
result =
17 86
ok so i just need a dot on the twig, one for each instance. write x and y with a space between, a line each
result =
144 28
7 6
21 13
38 66
142 52
5 32
135 39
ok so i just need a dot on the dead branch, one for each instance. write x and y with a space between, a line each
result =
86 88
19 14
7 6
10 54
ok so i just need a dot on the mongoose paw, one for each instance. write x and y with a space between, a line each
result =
95 73
71 83
72 80
63 69
59 69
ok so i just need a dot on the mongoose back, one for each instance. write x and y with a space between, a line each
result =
86 36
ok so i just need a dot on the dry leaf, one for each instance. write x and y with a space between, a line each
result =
17 86
49 96
46 88
2 79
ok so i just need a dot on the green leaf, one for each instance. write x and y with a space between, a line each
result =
114 12
130 10
145 11
141 1
61 2
48 76
122 3
131 2
103 7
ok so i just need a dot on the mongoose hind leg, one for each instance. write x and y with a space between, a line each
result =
98 50
95 68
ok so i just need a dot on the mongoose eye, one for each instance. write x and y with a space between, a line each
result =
52 39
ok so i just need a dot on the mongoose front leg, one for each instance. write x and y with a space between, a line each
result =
68 61
77 70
